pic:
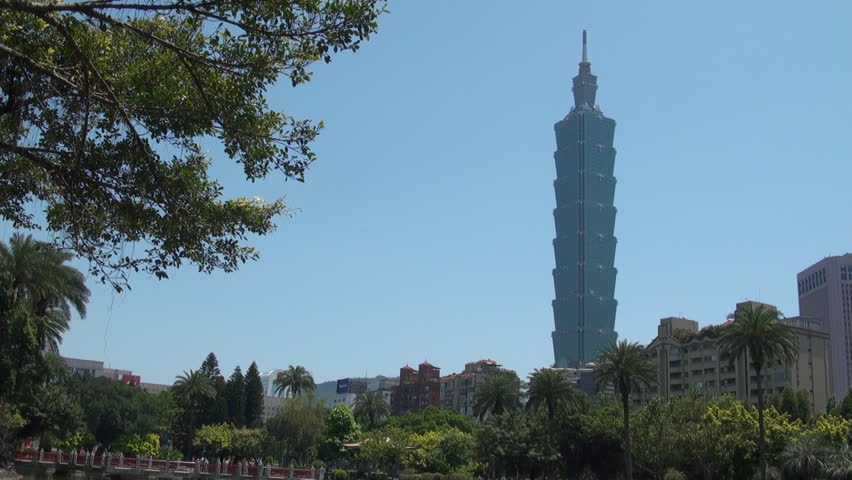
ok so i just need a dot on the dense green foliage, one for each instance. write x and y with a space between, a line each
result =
226 440
113 409
431 419
297 430
103 106
339 427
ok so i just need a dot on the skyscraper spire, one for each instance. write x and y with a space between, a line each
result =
585 84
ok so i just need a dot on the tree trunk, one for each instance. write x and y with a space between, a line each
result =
761 444
628 453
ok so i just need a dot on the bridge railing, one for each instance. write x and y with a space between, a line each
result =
26 455
212 469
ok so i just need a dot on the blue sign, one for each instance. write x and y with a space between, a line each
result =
343 385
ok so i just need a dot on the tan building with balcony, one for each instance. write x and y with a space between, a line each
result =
688 358
458 391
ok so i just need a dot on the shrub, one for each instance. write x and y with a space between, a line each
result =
170 454
673 474
378 475
457 476
340 474
587 475
410 476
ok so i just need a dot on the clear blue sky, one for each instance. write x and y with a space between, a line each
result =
425 226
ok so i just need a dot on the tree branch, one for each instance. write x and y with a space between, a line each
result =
94 71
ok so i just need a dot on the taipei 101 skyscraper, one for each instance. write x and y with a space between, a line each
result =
584 277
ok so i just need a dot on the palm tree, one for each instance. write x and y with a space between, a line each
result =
370 407
839 462
625 366
758 336
193 388
296 379
806 458
40 280
552 389
499 392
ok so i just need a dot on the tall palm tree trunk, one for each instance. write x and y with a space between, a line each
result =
628 448
761 445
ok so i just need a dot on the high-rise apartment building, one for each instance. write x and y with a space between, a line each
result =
688 359
825 293
584 277
268 381
417 389
458 391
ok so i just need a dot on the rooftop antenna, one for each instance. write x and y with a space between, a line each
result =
585 57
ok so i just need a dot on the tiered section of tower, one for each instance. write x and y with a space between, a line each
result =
584 277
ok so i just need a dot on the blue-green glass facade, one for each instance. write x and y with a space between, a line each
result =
584 277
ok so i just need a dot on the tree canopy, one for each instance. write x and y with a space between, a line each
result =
103 105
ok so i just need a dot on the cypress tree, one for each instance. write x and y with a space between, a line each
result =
210 366
235 393
254 396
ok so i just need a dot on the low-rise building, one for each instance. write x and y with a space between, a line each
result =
688 358
154 388
96 368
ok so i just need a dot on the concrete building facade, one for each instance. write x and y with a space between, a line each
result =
458 391
96 368
688 358
271 405
268 379
825 293
584 247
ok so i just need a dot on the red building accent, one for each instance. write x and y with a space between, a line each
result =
132 380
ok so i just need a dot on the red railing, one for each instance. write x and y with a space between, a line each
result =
25 455
162 465
284 472
183 466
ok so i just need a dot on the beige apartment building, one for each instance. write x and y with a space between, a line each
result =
688 358
458 391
